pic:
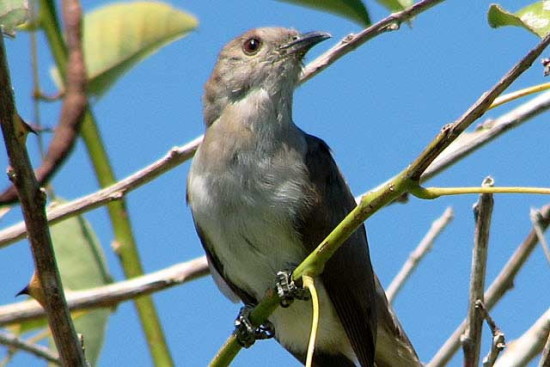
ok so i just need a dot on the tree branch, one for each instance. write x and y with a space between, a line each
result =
32 202
535 219
39 351
502 283
522 350
498 343
418 254
112 294
57 213
353 41
74 102
487 132
471 341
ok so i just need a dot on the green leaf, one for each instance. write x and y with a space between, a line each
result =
12 14
82 265
535 18
354 10
119 35
396 5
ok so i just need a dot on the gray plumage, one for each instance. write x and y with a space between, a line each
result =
263 195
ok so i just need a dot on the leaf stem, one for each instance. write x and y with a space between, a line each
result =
436 192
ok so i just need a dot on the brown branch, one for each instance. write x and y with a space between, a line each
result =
12 341
522 350
535 219
55 214
471 341
498 343
545 357
487 132
32 203
112 294
502 283
74 103
450 132
418 254
353 41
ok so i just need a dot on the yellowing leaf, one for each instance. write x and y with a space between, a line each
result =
119 35
535 17
82 265
12 14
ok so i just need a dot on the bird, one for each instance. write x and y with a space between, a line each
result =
263 194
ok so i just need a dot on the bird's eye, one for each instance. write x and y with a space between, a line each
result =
252 45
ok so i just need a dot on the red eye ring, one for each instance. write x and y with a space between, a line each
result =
252 45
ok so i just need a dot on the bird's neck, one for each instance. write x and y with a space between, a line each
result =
261 116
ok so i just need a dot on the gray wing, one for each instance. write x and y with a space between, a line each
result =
348 276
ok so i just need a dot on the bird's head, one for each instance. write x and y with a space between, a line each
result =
267 58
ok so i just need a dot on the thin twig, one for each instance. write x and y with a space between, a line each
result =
112 294
545 356
502 283
57 213
353 41
418 254
74 102
498 341
487 132
471 341
32 203
535 219
39 351
522 350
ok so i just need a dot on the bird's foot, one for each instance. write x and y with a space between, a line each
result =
288 290
246 333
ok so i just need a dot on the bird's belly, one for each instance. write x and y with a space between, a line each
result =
250 238
253 242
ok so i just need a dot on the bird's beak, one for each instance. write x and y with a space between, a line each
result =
305 41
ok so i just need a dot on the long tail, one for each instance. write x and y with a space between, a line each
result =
393 347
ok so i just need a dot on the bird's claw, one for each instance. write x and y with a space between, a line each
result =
246 333
288 290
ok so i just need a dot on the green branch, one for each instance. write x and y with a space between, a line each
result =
124 239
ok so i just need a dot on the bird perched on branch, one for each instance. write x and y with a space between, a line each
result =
264 194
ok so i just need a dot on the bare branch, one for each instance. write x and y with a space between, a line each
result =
13 341
74 102
471 341
57 213
112 294
535 219
522 350
497 289
32 203
545 357
487 132
418 254
498 343
353 41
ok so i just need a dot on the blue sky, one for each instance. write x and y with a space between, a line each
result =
377 108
